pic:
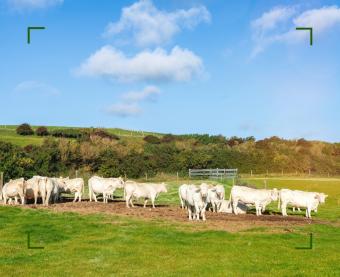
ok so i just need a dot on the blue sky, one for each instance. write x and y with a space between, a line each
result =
218 67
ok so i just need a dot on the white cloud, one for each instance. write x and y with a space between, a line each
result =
36 87
150 26
157 65
320 19
278 26
32 4
130 104
125 109
149 92
270 20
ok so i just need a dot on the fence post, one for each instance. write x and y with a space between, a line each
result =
77 173
265 184
1 183
125 177
146 176
233 181
177 176
282 172
189 173
251 173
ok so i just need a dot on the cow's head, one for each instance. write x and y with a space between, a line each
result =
321 197
204 190
219 191
274 194
162 187
121 182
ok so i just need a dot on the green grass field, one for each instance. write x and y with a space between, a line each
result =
8 134
110 245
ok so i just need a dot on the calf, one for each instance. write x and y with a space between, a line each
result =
226 207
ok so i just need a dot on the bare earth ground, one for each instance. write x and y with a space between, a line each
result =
215 221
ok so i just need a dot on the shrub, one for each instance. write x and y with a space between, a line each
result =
24 130
103 134
67 133
41 131
152 139
168 138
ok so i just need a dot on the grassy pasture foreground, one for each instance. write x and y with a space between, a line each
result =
112 245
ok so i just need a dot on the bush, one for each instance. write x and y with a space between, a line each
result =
24 130
103 134
41 131
67 133
168 138
152 139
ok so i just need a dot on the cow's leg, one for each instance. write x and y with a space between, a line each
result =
284 209
189 213
145 201
104 197
197 212
75 196
153 202
235 203
293 209
80 195
203 214
298 209
131 202
95 197
22 199
127 200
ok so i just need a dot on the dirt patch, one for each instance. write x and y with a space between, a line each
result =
215 221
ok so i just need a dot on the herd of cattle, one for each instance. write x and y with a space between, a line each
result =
196 199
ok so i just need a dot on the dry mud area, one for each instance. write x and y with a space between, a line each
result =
173 214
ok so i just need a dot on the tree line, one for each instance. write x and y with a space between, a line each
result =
98 152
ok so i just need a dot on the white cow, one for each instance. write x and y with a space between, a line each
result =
32 188
216 195
226 207
46 189
258 197
106 186
196 201
301 199
75 186
142 190
14 189
182 193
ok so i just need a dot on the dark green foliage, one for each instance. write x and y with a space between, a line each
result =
68 133
41 131
24 130
152 139
103 134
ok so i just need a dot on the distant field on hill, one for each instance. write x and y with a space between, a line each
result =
8 134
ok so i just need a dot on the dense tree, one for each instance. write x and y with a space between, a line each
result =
24 130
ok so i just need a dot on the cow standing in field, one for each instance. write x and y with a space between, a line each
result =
43 187
106 186
257 197
182 193
196 201
301 199
75 186
14 189
216 195
142 190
